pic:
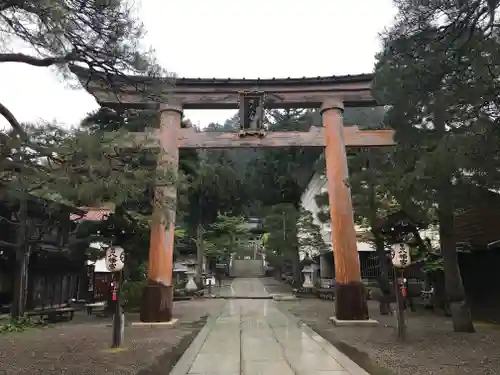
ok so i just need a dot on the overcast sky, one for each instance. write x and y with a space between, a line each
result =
199 38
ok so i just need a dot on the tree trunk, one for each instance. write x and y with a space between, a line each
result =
297 270
199 243
439 300
17 308
29 285
199 253
460 311
383 279
21 264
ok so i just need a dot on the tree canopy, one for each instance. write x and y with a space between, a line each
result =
103 36
438 72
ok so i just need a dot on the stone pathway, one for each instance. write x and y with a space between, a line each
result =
252 337
245 288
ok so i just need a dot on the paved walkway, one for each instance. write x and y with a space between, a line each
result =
252 337
244 288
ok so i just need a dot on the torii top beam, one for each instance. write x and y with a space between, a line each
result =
216 93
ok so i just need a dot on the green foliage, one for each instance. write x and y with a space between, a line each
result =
374 183
309 234
19 325
444 105
277 176
431 259
365 117
132 294
108 120
432 264
105 36
322 199
225 236
323 202
78 166
441 85
82 167
280 225
461 18
215 187
324 215
108 174
438 71
230 125
292 119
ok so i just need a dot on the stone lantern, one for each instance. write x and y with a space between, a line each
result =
308 271
190 273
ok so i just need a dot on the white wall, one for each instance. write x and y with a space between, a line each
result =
318 185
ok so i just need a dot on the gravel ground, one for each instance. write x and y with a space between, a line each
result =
431 348
82 346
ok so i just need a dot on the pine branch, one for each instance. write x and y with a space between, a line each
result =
35 61
9 116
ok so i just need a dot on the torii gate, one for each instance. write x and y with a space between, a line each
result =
330 94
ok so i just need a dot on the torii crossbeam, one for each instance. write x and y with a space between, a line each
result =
191 138
330 94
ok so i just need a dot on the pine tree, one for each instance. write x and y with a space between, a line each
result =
104 37
309 234
439 79
282 244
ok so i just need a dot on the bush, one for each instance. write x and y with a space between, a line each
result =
19 325
132 294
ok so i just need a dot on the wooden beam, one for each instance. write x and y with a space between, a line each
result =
190 138
213 93
230 99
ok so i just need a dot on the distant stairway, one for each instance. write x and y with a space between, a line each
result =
247 268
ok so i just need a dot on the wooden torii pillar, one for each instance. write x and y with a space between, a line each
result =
157 299
350 296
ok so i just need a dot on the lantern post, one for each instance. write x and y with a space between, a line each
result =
308 271
400 257
115 261
191 286
209 281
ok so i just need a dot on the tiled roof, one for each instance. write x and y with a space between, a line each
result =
188 81
92 215
274 80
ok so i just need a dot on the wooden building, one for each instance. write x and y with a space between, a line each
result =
477 235
95 286
54 271
476 225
